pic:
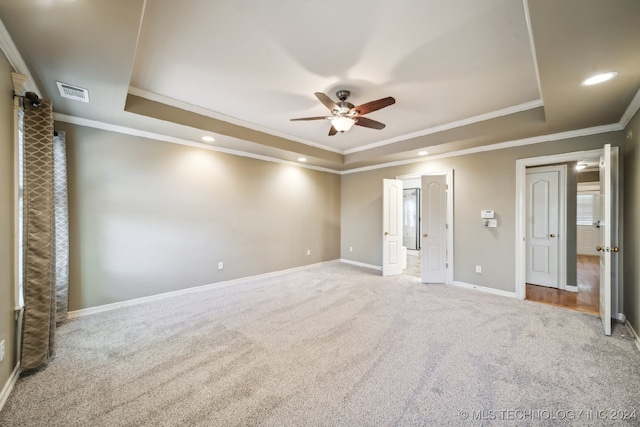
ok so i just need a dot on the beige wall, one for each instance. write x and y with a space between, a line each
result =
7 322
631 249
481 181
149 217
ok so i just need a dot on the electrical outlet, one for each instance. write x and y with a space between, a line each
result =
478 269
220 265
2 351
308 252
350 248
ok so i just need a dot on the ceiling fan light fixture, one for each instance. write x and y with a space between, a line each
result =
599 78
342 124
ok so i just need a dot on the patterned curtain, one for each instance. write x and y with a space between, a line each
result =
40 232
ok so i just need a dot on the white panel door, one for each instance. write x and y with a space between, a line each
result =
434 229
543 223
392 227
608 234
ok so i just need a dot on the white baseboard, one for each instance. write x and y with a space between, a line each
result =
571 288
361 264
635 335
485 289
6 390
113 306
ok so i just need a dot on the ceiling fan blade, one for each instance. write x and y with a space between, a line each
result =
332 131
374 105
310 118
326 101
368 123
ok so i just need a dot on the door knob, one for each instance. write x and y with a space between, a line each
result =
599 248
615 249
425 235
552 235
386 233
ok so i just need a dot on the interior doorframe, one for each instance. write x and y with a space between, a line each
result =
562 223
521 196
448 173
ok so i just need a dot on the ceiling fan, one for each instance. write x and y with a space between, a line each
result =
345 114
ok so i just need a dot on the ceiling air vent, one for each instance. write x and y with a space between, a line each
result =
73 92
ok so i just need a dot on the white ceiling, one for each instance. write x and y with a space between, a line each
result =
260 64
464 73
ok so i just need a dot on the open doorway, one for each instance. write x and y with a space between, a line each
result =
609 212
428 214
563 266
411 224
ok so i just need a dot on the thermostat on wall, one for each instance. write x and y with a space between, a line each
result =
486 214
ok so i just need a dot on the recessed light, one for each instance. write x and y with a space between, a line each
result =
599 78
422 153
302 159
208 138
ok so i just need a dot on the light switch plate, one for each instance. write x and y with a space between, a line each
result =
487 213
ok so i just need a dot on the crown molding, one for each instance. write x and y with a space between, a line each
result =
484 148
527 18
15 59
498 146
447 126
214 115
159 137
631 110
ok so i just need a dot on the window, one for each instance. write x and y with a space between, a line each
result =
587 209
19 293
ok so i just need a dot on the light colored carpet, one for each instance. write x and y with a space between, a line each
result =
332 345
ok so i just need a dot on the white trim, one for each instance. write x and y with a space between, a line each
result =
229 119
527 17
116 305
362 264
571 288
498 146
451 125
159 137
218 116
480 149
19 81
633 332
631 110
8 386
15 59
521 191
485 289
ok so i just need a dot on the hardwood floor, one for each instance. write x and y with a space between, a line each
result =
588 295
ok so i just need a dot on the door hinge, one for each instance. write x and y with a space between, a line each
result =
446 226
446 265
